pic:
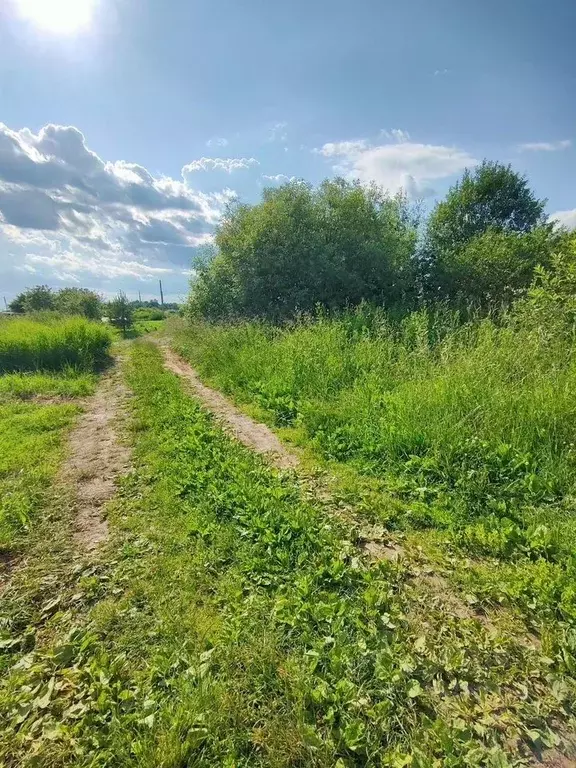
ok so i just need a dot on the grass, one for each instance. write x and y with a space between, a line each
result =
44 362
232 622
31 436
472 426
52 344
24 386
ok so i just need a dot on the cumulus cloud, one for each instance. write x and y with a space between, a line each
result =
227 164
545 146
279 178
397 164
65 211
565 218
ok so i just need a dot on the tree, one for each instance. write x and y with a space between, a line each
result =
493 199
334 245
17 304
119 311
79 301
491 268
38 299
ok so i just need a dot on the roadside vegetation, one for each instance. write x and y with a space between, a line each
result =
46 364
233 622
52 343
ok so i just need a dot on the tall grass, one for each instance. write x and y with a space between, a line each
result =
473 418
52 344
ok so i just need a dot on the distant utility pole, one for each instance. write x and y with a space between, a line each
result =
161 295
5 304
139 297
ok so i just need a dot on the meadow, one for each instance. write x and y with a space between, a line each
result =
231 622
47 365
459 435
52 343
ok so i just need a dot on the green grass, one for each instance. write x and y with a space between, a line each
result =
52 344
470 425
25 386
232 623
31 437
32 431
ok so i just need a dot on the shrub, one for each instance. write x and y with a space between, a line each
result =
335 245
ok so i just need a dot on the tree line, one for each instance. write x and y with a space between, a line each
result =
342 243
119 311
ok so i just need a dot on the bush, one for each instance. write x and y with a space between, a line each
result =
335 245
144 313
31 345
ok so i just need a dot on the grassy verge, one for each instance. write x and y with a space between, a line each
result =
475 437
52 344
32 438
233 623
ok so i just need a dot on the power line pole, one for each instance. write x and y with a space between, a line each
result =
5 304
139 297
161 295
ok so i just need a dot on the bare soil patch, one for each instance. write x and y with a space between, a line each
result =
96 459
258 437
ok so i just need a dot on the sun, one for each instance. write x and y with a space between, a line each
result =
59 16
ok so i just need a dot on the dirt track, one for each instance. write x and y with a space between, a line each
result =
258 437
96 459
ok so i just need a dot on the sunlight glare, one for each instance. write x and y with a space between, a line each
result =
58 16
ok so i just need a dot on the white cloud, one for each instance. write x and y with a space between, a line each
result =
396 134
439 72
402 164
217 141
227 164
279 178
278 132
65 212
565 218
545 146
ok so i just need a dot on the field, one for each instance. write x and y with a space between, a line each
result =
236 614
52 344
38 404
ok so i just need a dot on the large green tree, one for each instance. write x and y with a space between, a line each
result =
485 238
334 245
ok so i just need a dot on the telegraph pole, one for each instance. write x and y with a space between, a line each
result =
161 295
139 297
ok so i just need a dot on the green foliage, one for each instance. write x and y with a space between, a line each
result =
492 196
24 386
472 420
79 301
550 307
67 301
334 245
120 312
145 313
31 440
41 298
479 243
233 623
491 268
57 344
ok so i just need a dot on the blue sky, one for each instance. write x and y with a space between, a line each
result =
128 124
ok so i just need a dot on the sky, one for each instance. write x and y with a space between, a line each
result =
126 126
